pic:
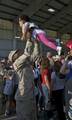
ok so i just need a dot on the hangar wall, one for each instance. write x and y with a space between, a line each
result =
8 41
6 36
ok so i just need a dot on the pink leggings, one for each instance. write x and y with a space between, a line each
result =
42 37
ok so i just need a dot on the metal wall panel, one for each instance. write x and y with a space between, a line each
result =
5 46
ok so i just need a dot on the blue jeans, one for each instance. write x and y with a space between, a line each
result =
46 94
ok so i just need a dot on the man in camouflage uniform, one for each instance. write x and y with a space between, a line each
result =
25 100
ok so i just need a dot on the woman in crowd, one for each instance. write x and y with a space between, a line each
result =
46 80
57 86
8 91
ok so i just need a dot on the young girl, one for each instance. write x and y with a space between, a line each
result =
46 80
35 31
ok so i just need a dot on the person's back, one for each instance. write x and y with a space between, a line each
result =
25 86
25 100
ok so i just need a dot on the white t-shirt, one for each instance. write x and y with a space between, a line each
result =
28 25
32 25
57 83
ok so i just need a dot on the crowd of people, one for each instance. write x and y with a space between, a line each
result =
35 82
8 85
41 84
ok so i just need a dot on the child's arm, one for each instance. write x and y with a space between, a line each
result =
24 31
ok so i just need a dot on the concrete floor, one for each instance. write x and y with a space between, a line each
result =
42 116
8 118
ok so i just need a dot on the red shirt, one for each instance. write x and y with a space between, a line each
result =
45 72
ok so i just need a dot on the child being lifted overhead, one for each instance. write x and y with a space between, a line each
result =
34 31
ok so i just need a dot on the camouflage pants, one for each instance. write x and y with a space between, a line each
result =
26 110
